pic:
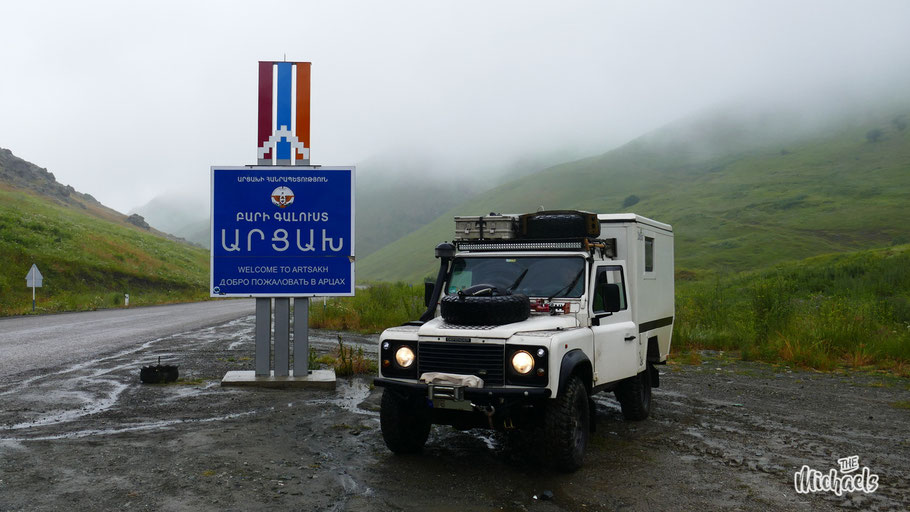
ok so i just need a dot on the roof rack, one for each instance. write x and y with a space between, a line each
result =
607 246
543 225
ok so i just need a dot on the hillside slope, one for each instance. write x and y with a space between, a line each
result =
90 255
832 310
740 195
180 216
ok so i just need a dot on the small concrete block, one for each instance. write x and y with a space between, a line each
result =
317 379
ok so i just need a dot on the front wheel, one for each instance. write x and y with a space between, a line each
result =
634 395
404 421
566 427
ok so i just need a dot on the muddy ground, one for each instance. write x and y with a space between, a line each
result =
723 435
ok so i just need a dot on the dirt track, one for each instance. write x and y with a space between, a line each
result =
724 435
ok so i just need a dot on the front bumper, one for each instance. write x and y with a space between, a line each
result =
484 395
465 407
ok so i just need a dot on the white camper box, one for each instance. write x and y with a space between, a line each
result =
647 248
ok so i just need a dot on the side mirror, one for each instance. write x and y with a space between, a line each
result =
428 293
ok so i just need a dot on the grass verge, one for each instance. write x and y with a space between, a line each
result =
373 309
847 310
89 262
345 360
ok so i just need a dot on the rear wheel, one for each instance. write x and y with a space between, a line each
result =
634 395
404 421
567 426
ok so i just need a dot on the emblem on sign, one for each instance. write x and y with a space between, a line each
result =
282 197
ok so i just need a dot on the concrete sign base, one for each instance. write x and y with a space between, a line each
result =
317 379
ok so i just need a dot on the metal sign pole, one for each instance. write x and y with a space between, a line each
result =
282 336
301 336
263 336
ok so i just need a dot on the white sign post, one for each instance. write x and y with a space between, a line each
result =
34 279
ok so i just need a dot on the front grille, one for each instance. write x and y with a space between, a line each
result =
480 359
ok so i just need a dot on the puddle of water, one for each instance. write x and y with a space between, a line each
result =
93 406
348 396
155 425
94 386
177 393
11 445
486 437
609 403
237 344
97 385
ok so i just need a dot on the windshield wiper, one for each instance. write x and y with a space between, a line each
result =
520 277
571 285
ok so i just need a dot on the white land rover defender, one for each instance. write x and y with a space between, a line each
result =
536 313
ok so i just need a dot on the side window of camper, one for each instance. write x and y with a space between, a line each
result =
609 291
649 254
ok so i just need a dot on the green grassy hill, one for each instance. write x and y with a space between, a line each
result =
89 255
740 194
849 309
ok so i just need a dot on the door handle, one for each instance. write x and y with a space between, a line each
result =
630 338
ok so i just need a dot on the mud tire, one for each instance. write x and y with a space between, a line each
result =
496 308
634 396
567 426
404 421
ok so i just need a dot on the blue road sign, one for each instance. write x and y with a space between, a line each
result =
282 231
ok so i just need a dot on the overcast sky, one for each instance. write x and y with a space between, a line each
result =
126 100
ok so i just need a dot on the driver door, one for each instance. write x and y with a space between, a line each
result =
616 344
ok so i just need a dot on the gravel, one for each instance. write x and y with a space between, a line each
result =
723 435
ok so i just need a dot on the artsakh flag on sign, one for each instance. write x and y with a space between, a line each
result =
284 112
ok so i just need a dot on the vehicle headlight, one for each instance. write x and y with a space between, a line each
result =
522 362
404 356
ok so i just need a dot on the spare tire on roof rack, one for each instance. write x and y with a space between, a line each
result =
485 304
559 224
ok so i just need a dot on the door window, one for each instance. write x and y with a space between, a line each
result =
609 286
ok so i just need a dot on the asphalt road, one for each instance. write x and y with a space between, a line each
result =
34 342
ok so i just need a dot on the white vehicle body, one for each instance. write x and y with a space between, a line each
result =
606 328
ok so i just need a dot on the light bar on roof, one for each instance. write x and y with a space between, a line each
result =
520 246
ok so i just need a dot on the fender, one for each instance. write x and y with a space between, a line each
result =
575 361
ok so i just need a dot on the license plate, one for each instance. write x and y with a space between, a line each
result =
455 405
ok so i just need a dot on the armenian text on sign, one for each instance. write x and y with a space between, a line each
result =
282 231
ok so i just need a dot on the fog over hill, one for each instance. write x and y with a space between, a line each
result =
396 194
470 85
400 192
745 186
179 214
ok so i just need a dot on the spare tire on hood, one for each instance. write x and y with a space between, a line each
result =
485 304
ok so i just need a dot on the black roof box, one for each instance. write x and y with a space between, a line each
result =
558 224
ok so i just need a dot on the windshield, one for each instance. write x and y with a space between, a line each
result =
555 276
